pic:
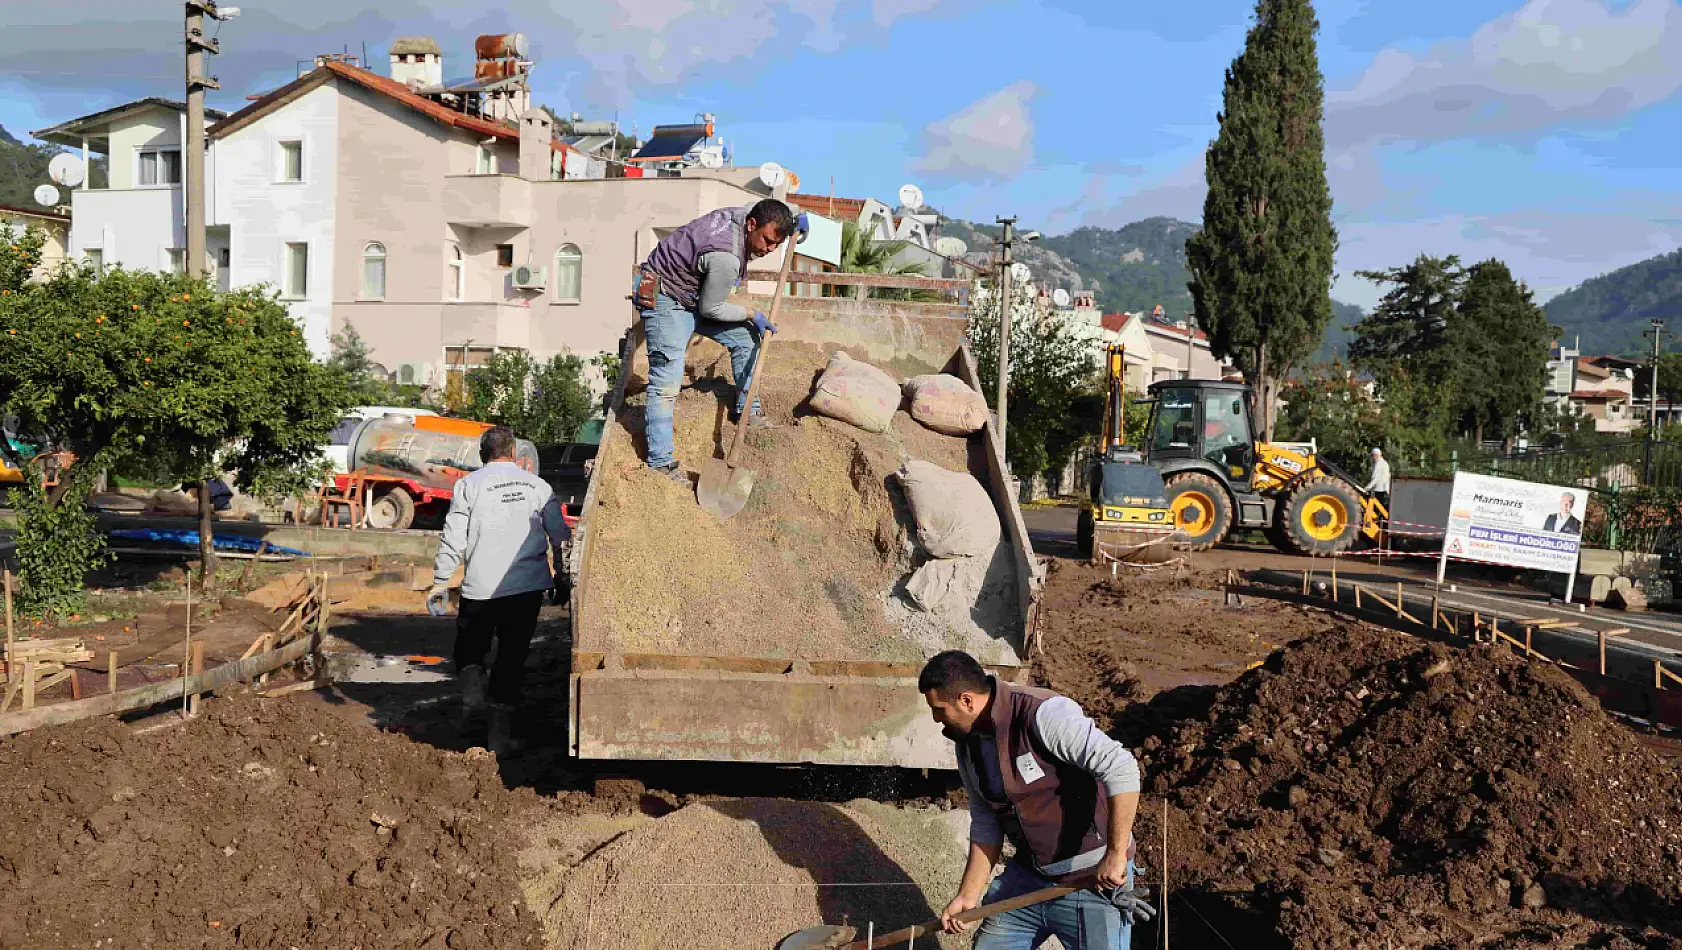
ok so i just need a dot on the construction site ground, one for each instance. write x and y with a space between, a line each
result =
1327 785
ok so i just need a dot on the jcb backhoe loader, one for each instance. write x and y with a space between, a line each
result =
1128 517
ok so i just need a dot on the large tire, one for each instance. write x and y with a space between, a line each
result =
1321 518
1084 530
393 510
1202 510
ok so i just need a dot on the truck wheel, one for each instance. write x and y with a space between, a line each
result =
393 510
1202 510
1083 534
1322 517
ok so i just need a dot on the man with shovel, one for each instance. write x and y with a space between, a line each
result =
683 289
1037 769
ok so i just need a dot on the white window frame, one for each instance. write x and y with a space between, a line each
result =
455 269
280 162
287 291
175 260
577 257
95 256
158 164
484 160
371 252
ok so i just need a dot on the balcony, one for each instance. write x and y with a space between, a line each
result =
487 324
487 201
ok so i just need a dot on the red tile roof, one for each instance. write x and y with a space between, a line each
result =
820 204
1600 394
1113 322
1172 330
36 213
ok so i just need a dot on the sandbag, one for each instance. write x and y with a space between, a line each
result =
954 514
856 393
946 404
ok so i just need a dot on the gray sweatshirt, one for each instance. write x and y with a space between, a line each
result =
720 274
1380 480
1069 736
502 522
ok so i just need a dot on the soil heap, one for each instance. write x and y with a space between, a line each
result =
813 567
258 824
722 875
1370 790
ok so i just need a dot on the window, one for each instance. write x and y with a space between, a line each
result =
296 278
223 256
487 160
373 272
160 166
505 255
291 164
569 273
454 275
95 257
177 260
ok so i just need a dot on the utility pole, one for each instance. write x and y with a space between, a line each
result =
193 149
1006 286
1653 390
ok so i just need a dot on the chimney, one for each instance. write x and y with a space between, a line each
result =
417 62
537 135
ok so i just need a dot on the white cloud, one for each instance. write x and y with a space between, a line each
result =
991 139
1552 62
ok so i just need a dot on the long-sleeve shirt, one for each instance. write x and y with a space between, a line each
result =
1380 480
1068 736
720 273
502 522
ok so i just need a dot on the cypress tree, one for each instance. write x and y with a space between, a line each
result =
1262 265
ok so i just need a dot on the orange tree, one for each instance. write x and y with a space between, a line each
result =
164 372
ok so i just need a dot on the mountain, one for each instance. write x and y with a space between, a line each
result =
23 168
6 137
1137 266
1611 312
1047 265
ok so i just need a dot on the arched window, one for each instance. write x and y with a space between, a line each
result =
569 274
373 272
455 275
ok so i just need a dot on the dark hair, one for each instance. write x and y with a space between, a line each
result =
951 673
496 443
772 211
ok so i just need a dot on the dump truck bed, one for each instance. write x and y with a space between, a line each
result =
784 634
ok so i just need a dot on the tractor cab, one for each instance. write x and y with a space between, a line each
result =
1198 420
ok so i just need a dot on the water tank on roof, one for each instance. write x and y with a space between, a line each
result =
501 46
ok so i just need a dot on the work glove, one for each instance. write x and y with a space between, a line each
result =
438 599
761 325
802 227
1133 902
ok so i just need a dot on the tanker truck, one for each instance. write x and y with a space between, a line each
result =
405 466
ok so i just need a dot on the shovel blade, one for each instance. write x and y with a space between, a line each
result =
723 488
818 938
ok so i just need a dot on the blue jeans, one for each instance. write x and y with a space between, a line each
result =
1080 921
668 328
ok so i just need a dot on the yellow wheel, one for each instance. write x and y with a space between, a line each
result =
1323 516
1202 512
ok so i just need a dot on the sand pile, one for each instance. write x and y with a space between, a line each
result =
741 873
1370 790
260 824
813 567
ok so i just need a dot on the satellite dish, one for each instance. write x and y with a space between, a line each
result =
771 174
911 196
712 159
1060 297
66 169
1020 271
46 196
950 247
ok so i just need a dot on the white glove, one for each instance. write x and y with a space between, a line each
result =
438 600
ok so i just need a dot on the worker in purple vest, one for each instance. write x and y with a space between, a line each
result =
684 289
1037 769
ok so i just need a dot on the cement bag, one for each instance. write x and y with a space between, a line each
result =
856 393
946 404
954 514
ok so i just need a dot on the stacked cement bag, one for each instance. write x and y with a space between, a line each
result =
959 528
946 404
856 393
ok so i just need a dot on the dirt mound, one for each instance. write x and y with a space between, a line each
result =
809 568
747 872
1369 789
262 823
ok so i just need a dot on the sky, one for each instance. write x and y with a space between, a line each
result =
1545 133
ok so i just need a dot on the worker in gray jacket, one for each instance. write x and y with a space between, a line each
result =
684 289
503 521
1037 769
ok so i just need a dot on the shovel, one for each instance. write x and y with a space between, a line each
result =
724 488
842 938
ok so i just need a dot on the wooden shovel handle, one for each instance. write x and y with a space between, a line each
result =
759 357
977 913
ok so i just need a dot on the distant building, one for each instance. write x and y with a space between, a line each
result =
55 227
1604 390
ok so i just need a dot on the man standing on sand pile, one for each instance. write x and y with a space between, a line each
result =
683 289
503 521
1036 768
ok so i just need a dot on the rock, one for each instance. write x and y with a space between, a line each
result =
1330 857
1629 599
1297 796
1534 897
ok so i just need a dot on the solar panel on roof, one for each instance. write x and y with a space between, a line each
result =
671 142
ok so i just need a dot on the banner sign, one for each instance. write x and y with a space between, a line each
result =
1518 524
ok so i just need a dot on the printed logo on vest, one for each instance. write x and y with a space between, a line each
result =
1028 768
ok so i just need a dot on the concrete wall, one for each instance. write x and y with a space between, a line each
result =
133 228
57 238
152 128
264 214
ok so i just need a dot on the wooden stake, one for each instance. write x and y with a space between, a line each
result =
1527 632
1165 872
1658 681
1399 612
197 668
1357 587
75 683
1334 600
1434 613
111 672
9 635
29 682
1477 622
1305 581
187 646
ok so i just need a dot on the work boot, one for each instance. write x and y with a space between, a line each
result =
676 474
500 739
472 689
